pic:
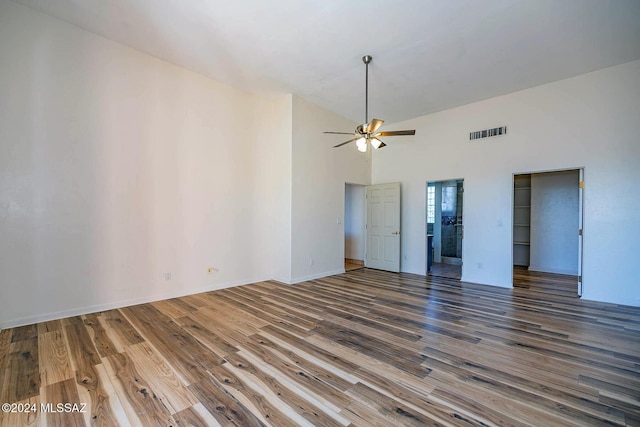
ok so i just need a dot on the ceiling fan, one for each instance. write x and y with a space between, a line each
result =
367 133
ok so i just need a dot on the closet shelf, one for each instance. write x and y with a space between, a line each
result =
521 225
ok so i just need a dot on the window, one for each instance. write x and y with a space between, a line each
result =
431 204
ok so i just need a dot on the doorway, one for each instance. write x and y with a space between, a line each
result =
354 226
547 232
445 229
372 226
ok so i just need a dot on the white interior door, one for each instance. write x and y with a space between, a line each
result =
383 227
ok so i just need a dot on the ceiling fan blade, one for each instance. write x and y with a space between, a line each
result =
374 125
341 133
397 133
346 142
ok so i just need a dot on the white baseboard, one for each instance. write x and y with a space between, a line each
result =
480 282
29 320
283 280
316 276
553 270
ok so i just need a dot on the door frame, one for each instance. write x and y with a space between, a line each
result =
436 199
362 233
581 172
581 228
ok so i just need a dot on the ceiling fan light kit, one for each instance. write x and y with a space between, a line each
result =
367 133
361 143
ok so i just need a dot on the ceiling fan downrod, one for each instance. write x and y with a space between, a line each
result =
366 59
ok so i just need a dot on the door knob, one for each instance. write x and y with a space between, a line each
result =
396 232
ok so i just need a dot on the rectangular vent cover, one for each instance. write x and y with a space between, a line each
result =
488 133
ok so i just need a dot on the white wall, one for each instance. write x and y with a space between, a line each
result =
116 168
554 222
270 141
354 222
318 181
588 121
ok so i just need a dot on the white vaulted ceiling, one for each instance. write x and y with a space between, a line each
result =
428 55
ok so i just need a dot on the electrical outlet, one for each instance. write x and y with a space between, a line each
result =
311 261
167 275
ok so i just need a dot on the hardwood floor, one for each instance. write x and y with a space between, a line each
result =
545 285
365 348
452 271
353 264
350 267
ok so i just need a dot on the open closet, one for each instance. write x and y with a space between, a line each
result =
547 225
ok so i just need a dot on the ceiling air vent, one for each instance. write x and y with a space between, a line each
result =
488 133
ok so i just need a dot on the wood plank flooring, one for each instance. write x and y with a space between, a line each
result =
451 271
364 348
348 266
545 285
